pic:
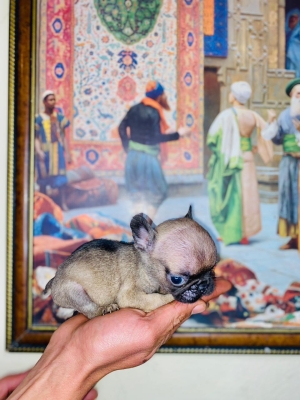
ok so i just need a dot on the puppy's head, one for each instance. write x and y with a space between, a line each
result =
182 251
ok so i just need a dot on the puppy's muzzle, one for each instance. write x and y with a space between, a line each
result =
196 289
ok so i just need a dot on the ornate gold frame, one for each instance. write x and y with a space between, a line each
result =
21 335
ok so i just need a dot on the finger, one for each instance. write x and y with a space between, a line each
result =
10 383
170 316
221 286
165 320
92 395
176 313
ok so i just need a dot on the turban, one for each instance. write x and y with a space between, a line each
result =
154 89
290 86
242 91
46 94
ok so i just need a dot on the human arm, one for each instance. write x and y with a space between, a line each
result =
64 124
123 133
37 141
82 351
10 382
38 149
183 131
273 130
296 123
67 149
170 135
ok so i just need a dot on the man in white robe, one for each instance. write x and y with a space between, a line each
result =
232 183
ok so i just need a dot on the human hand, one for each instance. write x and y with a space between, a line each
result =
170 130
10 382
296 123
184 131
271 116
69 158
41 155
83 351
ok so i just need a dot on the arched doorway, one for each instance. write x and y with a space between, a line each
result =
292 31
211 106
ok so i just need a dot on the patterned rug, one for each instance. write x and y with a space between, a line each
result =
97 56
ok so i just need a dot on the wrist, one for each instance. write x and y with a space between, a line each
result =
58 376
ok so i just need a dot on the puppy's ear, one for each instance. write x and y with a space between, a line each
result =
189 214
143 233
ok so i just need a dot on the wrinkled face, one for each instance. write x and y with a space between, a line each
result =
295 101
296 92
188 255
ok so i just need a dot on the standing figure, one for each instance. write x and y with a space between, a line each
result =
50 149
292 29
286 131
142 132
232 183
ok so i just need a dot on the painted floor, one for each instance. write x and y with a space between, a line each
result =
271 265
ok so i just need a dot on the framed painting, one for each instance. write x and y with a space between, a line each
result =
81 72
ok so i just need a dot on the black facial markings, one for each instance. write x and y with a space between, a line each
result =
197 286
203 274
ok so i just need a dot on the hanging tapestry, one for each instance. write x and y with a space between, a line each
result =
97 56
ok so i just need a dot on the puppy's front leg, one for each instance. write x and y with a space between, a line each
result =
143 301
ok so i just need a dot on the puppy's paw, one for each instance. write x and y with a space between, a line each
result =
109 309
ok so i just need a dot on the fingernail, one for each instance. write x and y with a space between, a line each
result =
199 308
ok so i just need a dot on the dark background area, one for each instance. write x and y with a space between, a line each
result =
211 106
290 4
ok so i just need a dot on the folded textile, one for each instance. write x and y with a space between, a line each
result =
79 174
44 243
47 224
98 226
91 193
44 204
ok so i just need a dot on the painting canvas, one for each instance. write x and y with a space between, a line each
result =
96 72
223 70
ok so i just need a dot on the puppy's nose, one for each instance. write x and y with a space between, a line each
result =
206 286
200 286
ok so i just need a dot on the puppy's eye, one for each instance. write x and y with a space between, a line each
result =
177 280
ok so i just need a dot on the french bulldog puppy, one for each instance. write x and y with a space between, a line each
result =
174 260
